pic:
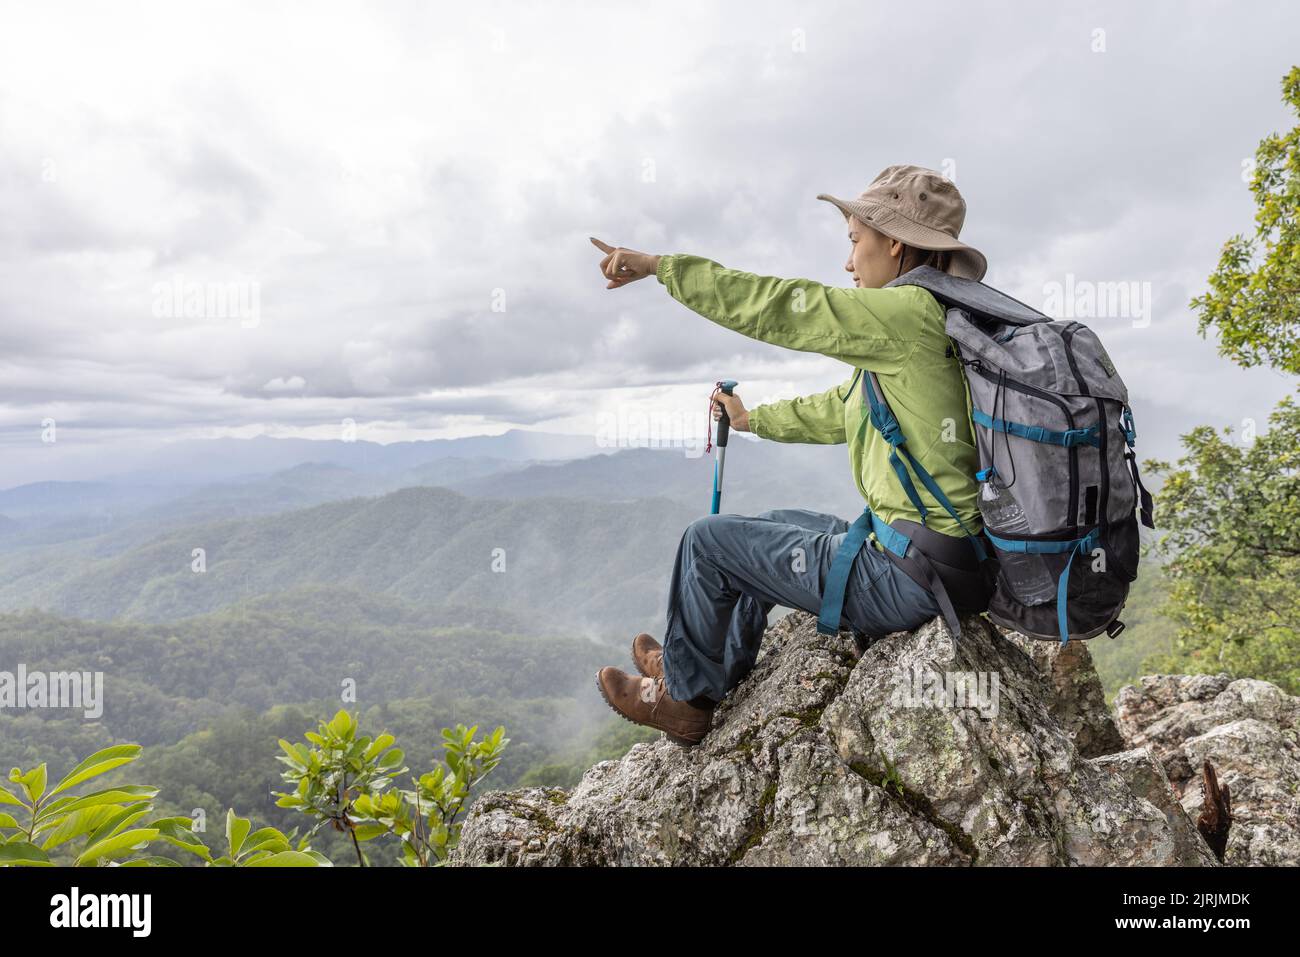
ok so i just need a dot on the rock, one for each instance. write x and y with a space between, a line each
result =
1247 730
923 751
1078 699
1144 775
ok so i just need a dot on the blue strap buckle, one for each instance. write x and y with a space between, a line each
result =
837 579
889 429
1038 433
1075 546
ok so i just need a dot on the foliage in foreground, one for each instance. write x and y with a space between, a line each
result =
344 781
43 826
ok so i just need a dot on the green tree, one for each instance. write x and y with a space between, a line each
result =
1252 296
1232 514
1231 508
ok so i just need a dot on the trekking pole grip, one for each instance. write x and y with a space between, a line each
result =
724 421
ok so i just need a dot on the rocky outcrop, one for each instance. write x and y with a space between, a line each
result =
1247 730
919 750
1078 700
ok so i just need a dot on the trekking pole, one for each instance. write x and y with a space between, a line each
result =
724 430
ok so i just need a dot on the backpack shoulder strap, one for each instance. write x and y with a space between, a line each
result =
883 419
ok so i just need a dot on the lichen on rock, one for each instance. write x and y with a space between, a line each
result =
1247 730
920 750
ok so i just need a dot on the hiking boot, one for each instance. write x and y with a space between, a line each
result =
646 701
648 656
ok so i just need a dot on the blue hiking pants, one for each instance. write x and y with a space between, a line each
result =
733 569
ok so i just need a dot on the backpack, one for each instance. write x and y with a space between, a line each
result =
1058 475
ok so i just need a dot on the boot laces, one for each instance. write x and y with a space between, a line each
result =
660 692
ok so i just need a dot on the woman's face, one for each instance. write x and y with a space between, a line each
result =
873 256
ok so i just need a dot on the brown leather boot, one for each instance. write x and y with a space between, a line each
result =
648 656
644 700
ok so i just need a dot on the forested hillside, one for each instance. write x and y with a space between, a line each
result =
210 696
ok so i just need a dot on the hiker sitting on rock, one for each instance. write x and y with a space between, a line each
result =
732 569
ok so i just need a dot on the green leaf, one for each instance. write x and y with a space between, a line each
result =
236 831
368 832
117 845
121 818
288 859
97 764
153 861
7 797
265 839
294 758
265 834
33 783
129 792
342 724
177 831
20 852
77 823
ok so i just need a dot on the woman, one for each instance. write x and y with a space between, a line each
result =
731 570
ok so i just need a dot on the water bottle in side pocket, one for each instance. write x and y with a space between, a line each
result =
1026 573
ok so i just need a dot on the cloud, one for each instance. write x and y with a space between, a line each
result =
292 384
409 192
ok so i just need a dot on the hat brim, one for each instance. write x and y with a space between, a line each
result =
967 261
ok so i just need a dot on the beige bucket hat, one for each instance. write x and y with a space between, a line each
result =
919 207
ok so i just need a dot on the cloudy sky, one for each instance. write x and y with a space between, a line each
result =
395 199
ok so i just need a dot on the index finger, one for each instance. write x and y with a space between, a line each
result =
603 247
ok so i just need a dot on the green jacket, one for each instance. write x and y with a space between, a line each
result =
898 333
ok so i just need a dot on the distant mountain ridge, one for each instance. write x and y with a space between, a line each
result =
205 461
599 567
587 543
53 512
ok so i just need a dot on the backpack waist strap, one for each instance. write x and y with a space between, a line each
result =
951 569
968 581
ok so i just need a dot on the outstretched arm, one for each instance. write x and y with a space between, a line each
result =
874 329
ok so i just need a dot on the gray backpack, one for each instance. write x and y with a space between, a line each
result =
1058 476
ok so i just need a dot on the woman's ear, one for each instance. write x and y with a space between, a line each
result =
895 248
